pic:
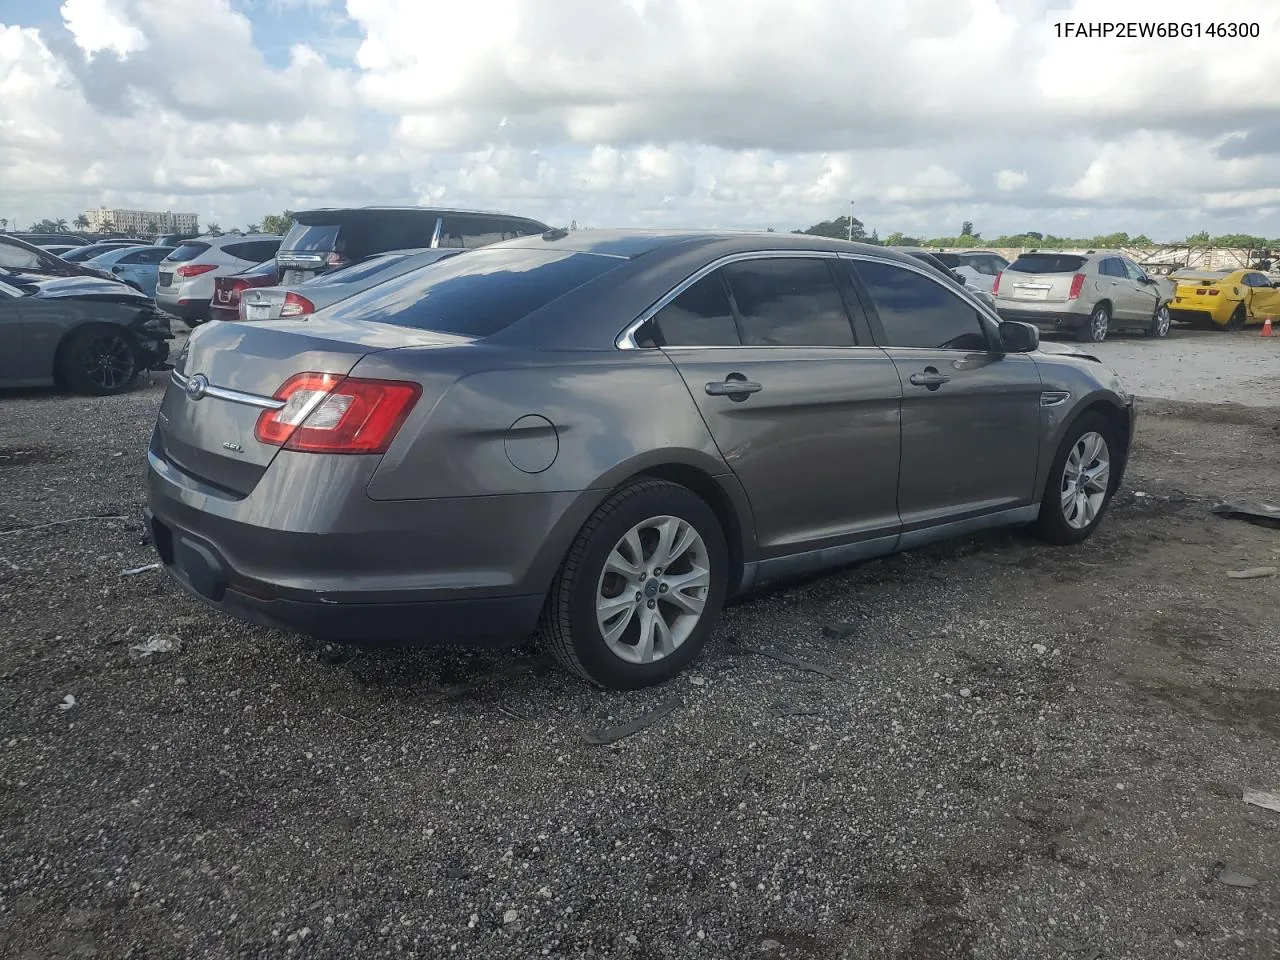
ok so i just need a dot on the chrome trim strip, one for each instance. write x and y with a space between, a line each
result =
231 396
626 339
1052 398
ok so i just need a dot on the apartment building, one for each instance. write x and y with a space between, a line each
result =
142 221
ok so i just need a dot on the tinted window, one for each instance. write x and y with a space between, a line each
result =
980 263
87 252
17 258
1256 280
187 251
789 302
1047 263
948 260
916 311
475 295
255 250
699 317
156 255
482 231
1134 271
311 238
1111 267
363 234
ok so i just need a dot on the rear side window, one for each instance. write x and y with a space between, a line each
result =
145 256
916 311
255 250
1047 263
1111 267
699 317
789 302
475 295
187 251
363 234
481 231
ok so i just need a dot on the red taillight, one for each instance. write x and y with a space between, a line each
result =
229 290
195 269
328 413
296 306
336 260
1077 283
995 287
1212 293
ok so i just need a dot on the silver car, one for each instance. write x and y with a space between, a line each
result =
184 285
602 435
305 298
1087 295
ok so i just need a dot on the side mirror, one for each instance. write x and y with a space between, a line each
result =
1018 337
115 269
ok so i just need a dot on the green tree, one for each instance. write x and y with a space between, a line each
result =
1142 240
1199 239
107 227
837 229
253 228
4 224
82 222
277 224
898 239
966 230
60 225
152 227
213 230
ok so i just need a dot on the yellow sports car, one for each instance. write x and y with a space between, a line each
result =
1226 299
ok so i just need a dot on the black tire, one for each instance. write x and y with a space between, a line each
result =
1160 326
569 628
1052 524
1095 329
100 361
1238 317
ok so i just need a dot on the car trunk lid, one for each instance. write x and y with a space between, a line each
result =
227 375
1041 276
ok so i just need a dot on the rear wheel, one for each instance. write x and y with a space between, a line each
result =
1095 330
1160 322
641 588
99 361
1237 320
1079 488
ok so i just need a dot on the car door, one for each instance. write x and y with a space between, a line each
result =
1264 299
11 358
1114 284
970 414
1146 292
804 413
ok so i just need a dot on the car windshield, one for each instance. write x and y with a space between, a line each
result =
81 254
478 294
1047 263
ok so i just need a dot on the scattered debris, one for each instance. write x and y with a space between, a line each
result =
791 661
1040 648
1233 878
511 916
966 692
158 645
68 702
1262 512
55 523
137 570
645 720
1267 799
1253 573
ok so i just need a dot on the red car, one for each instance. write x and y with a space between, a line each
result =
225 304
18 256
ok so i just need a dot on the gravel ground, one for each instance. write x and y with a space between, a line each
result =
1012 751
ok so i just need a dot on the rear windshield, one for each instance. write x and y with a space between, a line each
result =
187 251
308 238
478 294
1047 263
363 235
86 253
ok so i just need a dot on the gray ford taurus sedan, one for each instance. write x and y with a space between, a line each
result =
601 436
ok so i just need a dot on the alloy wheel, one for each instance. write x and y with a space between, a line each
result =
1098 324
653 589
1163 321
1085 480
109 361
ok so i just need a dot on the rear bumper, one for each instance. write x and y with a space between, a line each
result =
308 551
224 313
1192 315
186 310
1044 319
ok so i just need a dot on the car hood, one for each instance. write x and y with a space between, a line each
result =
1065 350
90 288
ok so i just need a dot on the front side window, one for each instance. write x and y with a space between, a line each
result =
16 258
699 317
789 302
1133 271
916 311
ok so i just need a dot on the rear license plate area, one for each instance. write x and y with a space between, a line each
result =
165 279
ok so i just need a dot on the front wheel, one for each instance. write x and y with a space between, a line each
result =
1079 487
1095 330
641 588
99 361
1160 323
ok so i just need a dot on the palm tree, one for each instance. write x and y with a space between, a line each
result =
213 230
82 221
253 228
4 223
107 227
60 225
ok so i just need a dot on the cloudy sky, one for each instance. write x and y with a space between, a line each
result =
732 113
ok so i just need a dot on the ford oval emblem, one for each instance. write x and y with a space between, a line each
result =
197 386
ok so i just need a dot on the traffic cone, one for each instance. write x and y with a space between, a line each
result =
1266 328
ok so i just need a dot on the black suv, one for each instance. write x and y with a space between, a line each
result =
323 240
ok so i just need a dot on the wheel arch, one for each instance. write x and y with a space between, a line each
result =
1116 412
68 335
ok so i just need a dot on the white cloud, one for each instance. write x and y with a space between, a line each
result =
679 112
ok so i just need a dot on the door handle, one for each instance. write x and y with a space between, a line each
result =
931 378
735 386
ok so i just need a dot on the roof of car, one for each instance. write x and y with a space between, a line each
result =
634 242
316 211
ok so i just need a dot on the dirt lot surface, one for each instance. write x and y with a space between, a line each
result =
1014 751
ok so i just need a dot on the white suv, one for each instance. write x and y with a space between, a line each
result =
185 283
